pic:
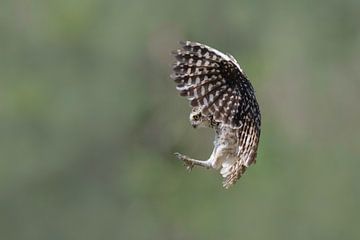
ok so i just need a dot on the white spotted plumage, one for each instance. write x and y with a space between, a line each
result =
224 99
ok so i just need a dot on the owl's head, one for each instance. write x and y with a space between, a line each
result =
197 119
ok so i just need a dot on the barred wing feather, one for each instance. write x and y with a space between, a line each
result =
215 82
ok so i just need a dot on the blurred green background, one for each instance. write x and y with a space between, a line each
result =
89 121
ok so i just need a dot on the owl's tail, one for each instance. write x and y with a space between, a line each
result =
234 173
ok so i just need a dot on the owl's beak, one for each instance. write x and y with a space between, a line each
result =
194 125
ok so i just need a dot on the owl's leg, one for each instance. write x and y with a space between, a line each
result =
218 156
216 159
190 162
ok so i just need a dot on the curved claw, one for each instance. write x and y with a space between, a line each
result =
187 163
179 156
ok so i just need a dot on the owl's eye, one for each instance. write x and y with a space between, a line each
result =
196 117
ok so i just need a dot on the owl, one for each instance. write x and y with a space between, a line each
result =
222 98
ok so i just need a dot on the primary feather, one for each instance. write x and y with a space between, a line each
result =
215 81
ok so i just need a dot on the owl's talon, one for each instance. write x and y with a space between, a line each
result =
179 156
187 163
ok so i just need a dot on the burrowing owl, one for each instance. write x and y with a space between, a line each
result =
222 98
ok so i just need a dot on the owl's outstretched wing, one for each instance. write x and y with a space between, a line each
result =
215 82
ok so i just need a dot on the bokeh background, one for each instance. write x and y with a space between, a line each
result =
89 121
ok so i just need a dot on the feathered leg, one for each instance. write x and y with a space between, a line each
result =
214 161
190 162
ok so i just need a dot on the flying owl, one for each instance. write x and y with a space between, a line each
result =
222 98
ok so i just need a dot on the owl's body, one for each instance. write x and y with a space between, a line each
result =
223 99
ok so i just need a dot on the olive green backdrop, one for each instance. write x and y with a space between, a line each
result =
89 121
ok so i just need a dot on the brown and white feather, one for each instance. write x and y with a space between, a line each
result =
215 82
